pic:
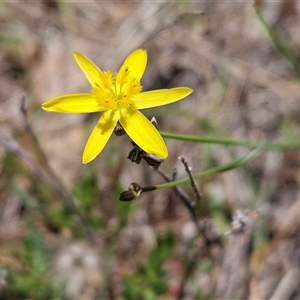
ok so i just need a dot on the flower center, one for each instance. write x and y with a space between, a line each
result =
116 90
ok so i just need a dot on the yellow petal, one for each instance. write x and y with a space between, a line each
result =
143 133
160 97
136 63
100 135
90 70
73 103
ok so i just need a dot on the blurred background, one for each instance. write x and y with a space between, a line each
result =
64 234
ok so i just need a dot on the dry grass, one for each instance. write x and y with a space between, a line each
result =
243 89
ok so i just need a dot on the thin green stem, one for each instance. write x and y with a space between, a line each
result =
231 142
226 167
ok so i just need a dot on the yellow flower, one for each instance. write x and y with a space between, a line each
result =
119 95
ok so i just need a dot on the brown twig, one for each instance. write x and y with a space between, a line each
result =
203 229
193 183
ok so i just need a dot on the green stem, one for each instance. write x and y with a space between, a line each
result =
224 141
232 165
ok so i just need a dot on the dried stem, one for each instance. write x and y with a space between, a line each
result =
193 183
191 206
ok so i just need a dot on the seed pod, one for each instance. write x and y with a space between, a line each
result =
119 130
154 161
134 190
135 154
127 196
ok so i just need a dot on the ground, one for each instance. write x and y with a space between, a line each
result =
63 231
